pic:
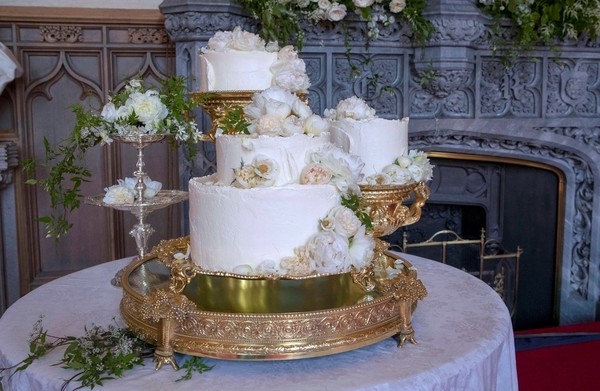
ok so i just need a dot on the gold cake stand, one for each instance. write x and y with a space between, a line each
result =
172 303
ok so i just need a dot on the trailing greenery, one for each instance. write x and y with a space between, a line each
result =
100 354
542 21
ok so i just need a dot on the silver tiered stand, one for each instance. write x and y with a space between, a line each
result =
142 206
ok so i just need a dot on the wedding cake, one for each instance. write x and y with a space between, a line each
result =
382 144
275 204
241 61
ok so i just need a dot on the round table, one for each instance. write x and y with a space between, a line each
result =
463 330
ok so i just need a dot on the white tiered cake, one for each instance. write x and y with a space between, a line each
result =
274 207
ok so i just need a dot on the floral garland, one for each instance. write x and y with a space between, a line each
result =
282 20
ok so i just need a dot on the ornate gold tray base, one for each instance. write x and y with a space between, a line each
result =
173 305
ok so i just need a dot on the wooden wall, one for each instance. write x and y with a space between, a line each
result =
76 56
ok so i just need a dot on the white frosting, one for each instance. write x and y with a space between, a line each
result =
236 70
378 142
288 152
231 227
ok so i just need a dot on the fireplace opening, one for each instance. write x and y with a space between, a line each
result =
517 203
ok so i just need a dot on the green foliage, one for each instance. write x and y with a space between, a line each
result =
193 365
542 22
100 354
234 122
352 201
282 21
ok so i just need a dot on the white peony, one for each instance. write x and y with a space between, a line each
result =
148 108
301 109
361 248
292 79
328 251
219 42
152 187
277 109
118 194
379 179
109 112
292 125
246 41
354 108
315 125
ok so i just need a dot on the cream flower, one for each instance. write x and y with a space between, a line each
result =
266 168
299 264
109 112
244 40
397 6
148 108
398 174
301 109
245 177
336 12
315 174
344 221
379 179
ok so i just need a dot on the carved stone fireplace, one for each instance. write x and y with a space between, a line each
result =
544 109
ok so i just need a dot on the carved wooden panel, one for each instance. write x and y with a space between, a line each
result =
66 62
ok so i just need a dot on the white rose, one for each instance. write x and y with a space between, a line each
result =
245 177
361 248
324 4
397 6
329 252
336 12
119 194
315 125
344 220
363 3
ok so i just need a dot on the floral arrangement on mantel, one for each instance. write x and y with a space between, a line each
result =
281 20
137 109
544 22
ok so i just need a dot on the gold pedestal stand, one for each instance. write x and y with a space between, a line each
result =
171 302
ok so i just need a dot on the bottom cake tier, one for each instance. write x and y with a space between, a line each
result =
170 302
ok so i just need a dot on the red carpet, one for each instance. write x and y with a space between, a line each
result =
571 364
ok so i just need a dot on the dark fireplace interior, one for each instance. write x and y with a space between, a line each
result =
518 204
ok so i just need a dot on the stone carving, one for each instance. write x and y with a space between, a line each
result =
200 26
148 35
67 34
463 30
573 87
515 91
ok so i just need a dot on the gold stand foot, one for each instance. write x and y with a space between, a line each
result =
401 338
162 359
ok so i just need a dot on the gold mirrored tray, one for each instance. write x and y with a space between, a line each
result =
173 304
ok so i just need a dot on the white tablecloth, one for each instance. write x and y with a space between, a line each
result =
463 330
